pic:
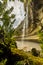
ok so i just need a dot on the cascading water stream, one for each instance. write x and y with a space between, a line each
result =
23 34
25 27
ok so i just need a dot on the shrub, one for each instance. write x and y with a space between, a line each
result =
35 52
20 63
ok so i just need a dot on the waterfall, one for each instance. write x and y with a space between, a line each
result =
26 21
23 35
25 26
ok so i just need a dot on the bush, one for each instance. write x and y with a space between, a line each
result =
20 63
35 52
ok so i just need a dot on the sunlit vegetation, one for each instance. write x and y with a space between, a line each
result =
40 34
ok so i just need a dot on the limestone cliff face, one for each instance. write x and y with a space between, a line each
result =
35 18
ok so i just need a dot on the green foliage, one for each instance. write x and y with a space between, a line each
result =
3 62
22 0
27 58
41 37
40 34
35 52
25 1
6 30
6 33
2 6
20 63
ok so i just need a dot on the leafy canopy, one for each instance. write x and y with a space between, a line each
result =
7 20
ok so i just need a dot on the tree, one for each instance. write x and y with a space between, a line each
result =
7 20
6 33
